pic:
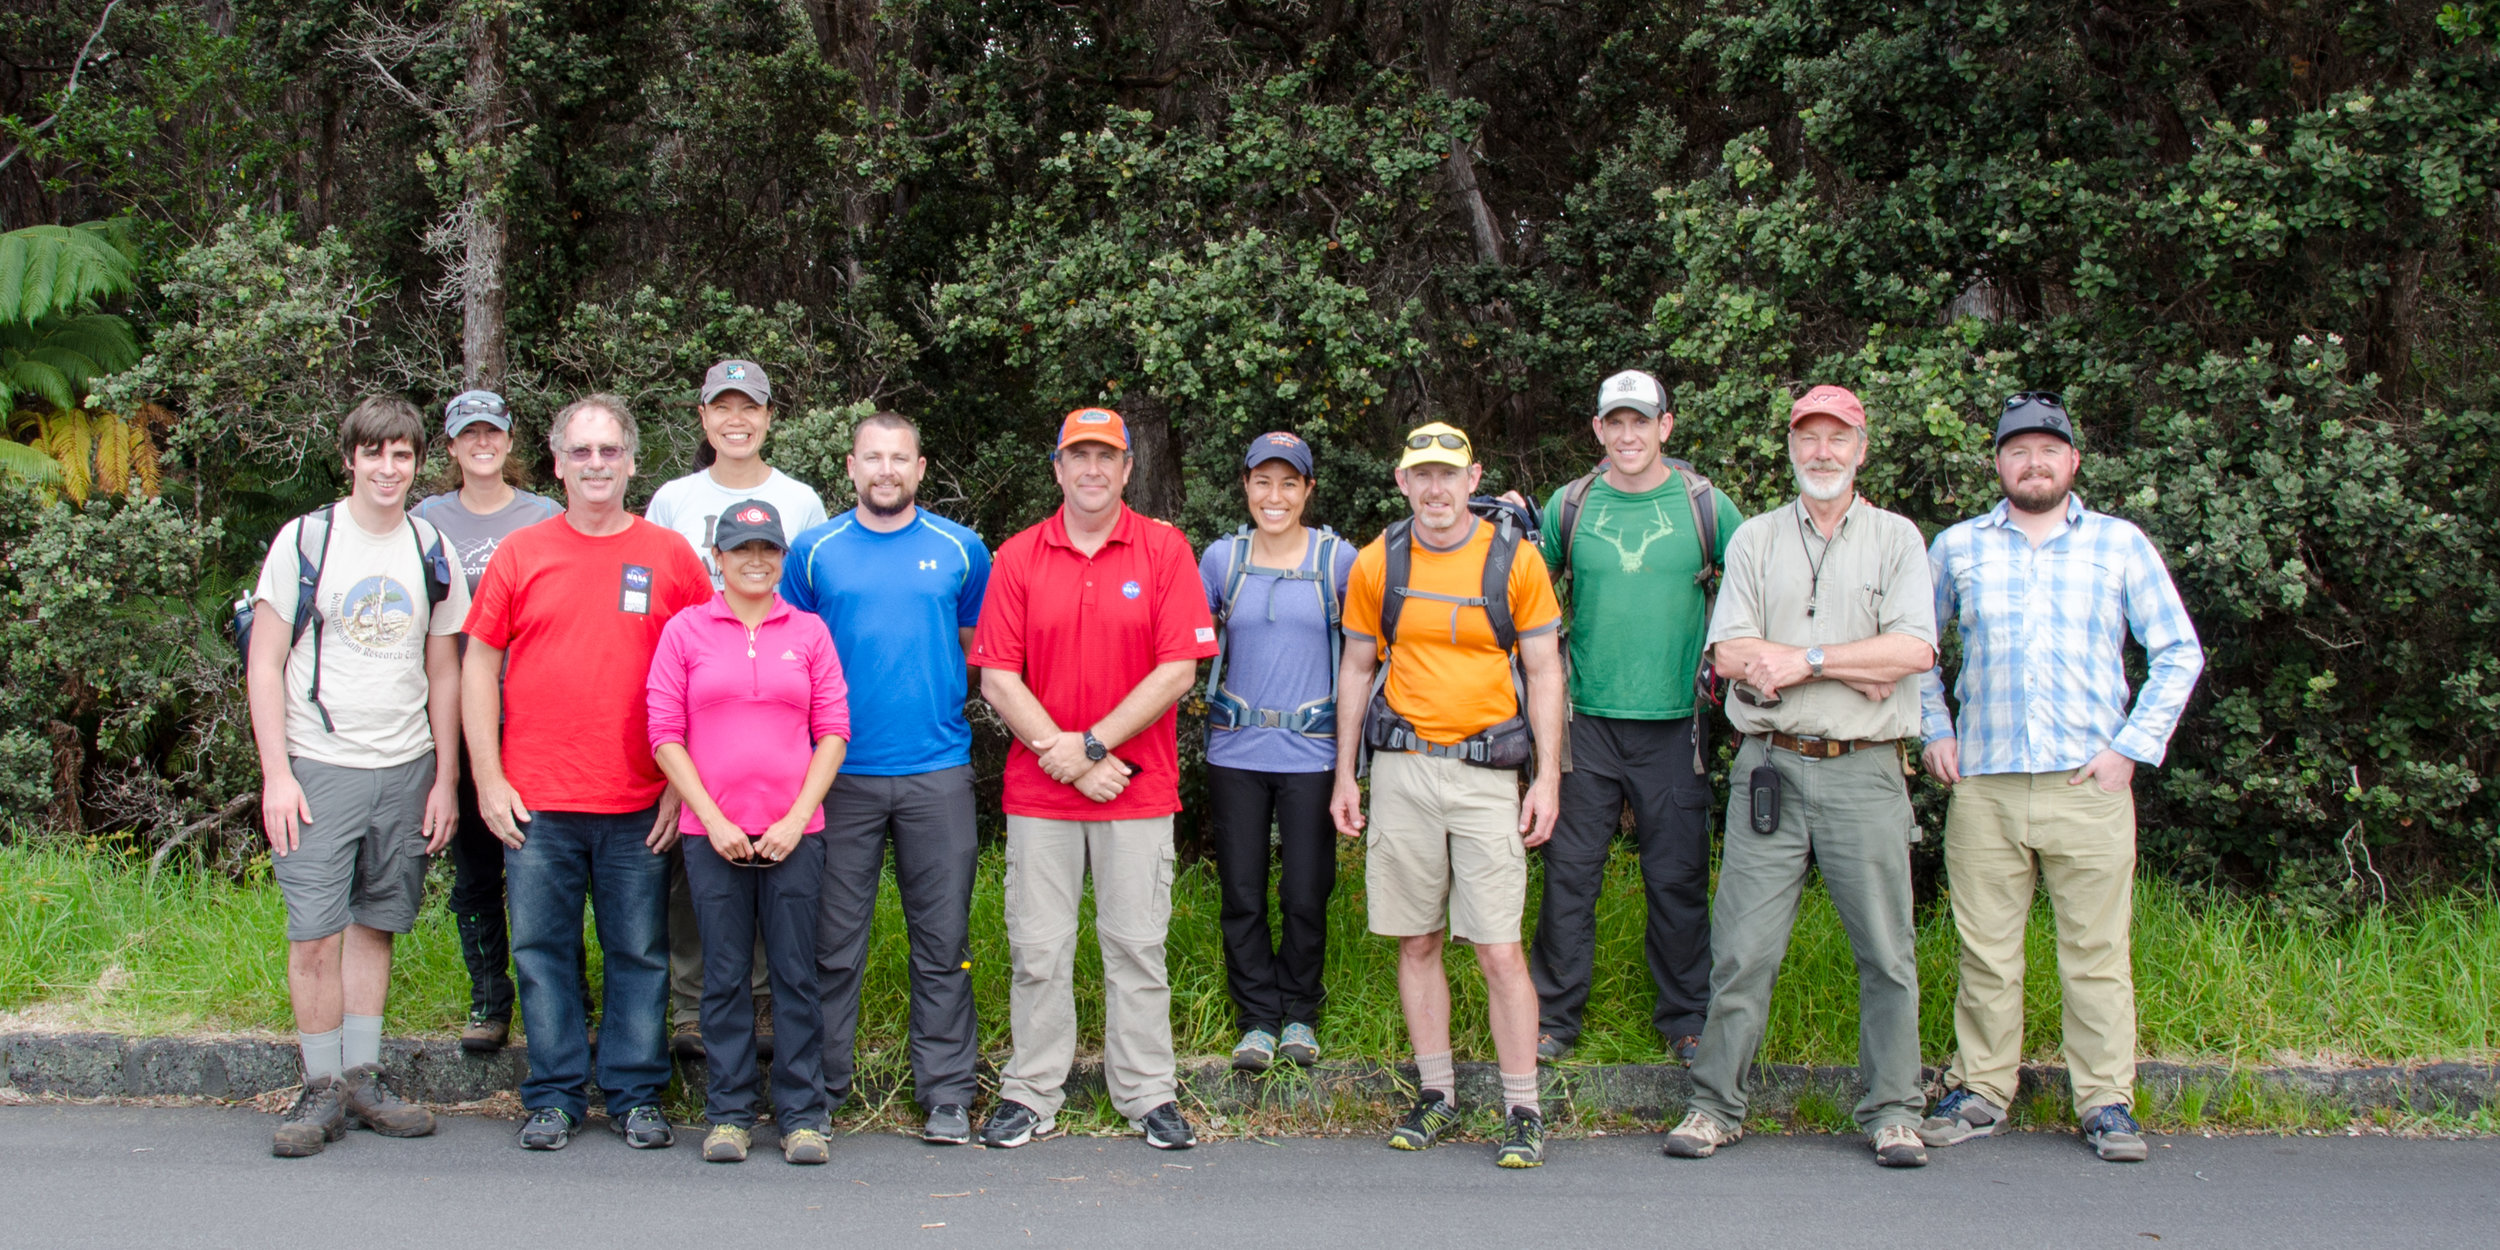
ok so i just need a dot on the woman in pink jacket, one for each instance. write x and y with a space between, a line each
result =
749 719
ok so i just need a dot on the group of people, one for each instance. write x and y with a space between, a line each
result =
709 723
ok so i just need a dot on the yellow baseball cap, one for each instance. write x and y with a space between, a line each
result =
1437 443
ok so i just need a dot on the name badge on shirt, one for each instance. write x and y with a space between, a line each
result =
634 592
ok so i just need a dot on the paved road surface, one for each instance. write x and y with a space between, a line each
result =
125 1177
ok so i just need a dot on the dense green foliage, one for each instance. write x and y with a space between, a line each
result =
2252 244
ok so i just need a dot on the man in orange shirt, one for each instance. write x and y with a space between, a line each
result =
1457 608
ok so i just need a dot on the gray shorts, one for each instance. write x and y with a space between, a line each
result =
362 859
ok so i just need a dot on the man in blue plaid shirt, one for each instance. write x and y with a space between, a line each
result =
2045 592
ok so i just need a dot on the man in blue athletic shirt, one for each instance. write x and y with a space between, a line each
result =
901 590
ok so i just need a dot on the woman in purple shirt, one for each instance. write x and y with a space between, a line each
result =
749 719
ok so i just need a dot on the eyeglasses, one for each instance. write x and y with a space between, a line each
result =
1452 441
2049 398
582 453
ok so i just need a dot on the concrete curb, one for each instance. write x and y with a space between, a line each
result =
107 1065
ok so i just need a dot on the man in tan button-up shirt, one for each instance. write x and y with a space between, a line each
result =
1826 618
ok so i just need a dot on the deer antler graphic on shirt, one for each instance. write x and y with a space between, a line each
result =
1631 556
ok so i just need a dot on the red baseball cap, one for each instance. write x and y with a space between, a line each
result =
1094 425
1831 401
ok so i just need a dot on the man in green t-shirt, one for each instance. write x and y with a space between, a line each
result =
1638 614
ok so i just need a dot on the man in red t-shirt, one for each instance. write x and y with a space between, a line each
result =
566 619
1091 630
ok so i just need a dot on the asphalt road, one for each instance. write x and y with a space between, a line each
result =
150 1177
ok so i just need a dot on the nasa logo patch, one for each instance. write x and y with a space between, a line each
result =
1130 589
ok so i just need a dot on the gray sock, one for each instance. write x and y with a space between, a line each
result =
360 1040
1437 1075
321 1054
1519 1090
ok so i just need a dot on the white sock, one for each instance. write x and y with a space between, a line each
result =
1519 1091
1437 1075
321 1054
360 1040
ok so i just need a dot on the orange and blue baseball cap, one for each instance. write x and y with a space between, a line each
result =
1093 425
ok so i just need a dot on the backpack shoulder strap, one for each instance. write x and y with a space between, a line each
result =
1702 497
1239 568
1574 498
1398 544
1327 559
431 554
308 598
1497 563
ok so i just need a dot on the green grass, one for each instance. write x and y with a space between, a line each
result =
87 941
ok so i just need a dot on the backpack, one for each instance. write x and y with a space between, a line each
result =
310 554
1226 710
1699 495
1510 744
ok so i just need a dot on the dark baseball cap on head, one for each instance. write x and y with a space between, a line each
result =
470 407
747 521
744 376
1279 445
2030 412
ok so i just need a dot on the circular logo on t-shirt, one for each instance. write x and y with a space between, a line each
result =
377 615
1129 589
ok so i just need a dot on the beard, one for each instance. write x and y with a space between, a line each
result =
1821 493
2038 493
904 498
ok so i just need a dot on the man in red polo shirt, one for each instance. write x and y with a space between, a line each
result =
1091 630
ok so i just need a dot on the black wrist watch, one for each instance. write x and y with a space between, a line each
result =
1094 749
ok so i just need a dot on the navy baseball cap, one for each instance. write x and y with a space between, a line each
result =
470 407
748 521
1279 445
2030 412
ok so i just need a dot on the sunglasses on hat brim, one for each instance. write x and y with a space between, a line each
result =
1452 441
2047 398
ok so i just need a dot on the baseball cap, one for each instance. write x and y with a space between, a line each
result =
1635 390
470 407
1831 401
1094 425
1437 443
738 375
2028 412
1279 445
746 521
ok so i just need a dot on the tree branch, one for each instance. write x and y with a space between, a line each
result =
75 68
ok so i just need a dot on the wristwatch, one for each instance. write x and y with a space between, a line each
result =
1094 749
1814 660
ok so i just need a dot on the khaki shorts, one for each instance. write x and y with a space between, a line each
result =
1443 849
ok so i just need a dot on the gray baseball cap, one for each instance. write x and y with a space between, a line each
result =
747 521
1635 390
470 407
2028 412
738 375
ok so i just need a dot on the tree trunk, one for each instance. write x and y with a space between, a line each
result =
1441 72
482 343
1154 485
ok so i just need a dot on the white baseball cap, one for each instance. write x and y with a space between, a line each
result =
1635 390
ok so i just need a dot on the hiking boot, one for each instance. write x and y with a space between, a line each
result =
1960 1116
548 1128
1011 1124
1898 1146
1551 1049
485 1035
318 1118
1299 1045
371 1103
643 1128
727 1143
1433 1115
1523 1140
686 1043
1686 1049
948 1125
1256 1051
2114 1135
805 1146
1700 1136
1166 1128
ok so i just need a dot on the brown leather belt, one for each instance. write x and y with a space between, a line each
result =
1825 748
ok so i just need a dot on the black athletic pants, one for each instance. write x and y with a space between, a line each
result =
1274 985
1649 766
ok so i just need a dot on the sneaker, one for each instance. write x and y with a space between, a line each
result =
1551 1049
1700 1136
1433 1115
1523 1140
1166 1128
1960 1116
805 1146
1898 1146
371 1103
1256 1052
1011 1124
2114 1135
686 1043
548 1128
643 1128
948 1125
485 1035
318 1118
1686 1048
727 1143
1299 1045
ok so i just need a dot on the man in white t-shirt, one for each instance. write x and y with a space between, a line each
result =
355 684
737 414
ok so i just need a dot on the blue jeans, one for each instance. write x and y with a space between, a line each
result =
565 858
